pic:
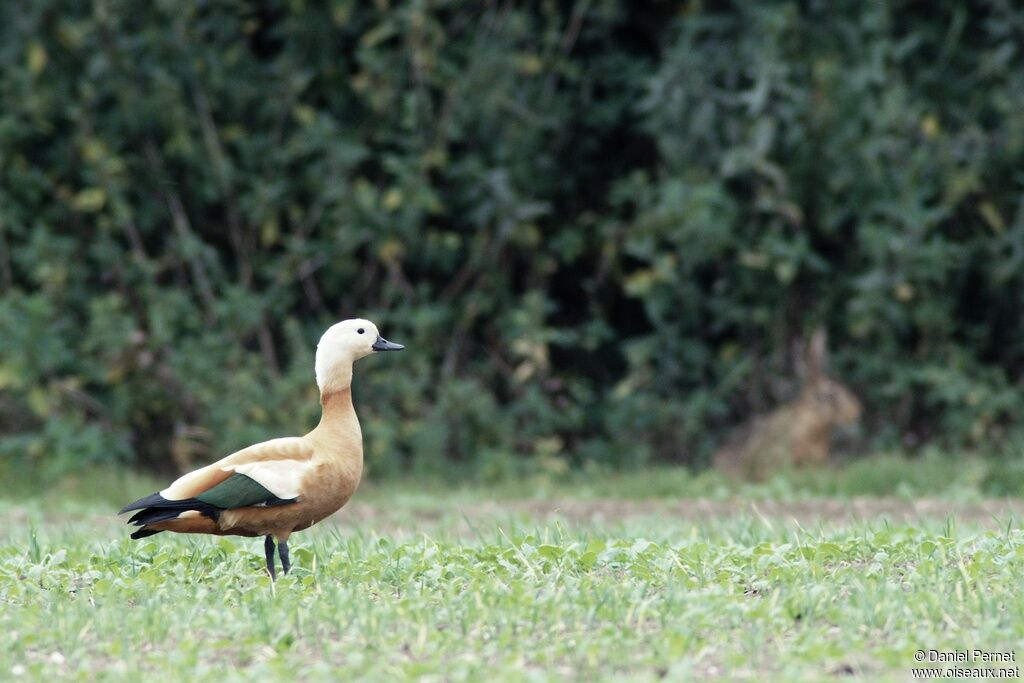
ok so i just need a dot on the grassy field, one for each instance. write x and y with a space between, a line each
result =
586 578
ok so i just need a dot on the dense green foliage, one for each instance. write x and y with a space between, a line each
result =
436 591
599 227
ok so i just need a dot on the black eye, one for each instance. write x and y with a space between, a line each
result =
360 330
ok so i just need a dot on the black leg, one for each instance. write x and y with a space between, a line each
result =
268 546
282 548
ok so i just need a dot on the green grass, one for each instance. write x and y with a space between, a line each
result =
931 475
413 583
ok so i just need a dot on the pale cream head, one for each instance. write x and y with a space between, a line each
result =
342 345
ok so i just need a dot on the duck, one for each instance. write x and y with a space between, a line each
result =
277 487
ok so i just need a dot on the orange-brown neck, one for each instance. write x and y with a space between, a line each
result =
338 454
338 436
338 413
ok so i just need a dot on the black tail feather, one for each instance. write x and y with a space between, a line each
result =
156 514
142 533
170 509
155 508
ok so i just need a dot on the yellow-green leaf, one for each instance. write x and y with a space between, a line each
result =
90 200
392 199
992 216
304 114
37 58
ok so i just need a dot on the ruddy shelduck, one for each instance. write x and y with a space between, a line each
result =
283 485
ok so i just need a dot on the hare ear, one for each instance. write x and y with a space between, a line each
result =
817 354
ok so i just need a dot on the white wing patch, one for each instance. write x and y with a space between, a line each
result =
283 478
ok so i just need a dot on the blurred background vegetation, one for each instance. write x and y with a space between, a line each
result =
599 226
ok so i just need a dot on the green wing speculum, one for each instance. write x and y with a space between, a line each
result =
239 491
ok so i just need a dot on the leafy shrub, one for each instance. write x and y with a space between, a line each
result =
598 227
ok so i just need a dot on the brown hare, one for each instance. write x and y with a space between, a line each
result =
798 433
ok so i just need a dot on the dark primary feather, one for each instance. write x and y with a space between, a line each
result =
236 491
169 509
152 499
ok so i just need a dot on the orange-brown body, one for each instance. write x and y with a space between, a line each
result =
331 456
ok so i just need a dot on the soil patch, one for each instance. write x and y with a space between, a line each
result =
831 511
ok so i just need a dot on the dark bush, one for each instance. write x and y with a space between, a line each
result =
598 226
